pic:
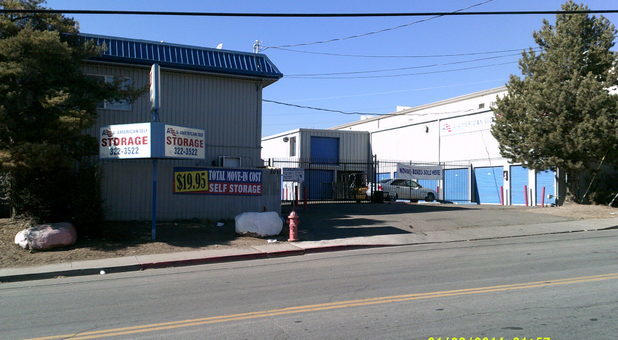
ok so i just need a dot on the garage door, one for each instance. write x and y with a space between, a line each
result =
432 184
319 184
488 183
519 181
324 150
546 179
456 185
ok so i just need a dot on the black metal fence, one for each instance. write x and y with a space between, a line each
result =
324 180
350 181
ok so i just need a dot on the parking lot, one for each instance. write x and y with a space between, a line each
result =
341 220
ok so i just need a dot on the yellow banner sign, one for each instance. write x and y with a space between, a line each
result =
191 181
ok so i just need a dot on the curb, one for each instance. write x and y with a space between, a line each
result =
67 273
177 263
253 256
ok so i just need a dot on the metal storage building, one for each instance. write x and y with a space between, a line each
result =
332 160
219 91
456 134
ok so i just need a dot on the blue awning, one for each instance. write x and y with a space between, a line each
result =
131 51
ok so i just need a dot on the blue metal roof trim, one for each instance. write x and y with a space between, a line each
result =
185 57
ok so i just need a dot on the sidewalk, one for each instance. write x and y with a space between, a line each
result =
280 249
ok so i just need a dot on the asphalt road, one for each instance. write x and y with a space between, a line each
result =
556 286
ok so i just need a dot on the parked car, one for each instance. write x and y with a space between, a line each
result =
407 189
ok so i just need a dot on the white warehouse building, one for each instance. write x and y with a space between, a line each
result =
455 134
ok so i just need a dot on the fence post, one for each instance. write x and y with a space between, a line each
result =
443 193
305 195
374 182
470 184
526 194
410 187
532 198
543 197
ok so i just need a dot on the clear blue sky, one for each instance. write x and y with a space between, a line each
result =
438 36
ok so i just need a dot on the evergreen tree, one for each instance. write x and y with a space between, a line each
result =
563 112
46 103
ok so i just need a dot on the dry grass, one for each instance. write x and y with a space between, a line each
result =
124 239
579 211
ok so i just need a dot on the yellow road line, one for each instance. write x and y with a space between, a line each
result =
327 306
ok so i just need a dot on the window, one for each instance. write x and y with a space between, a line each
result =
399 182
229 161
292 146
119 105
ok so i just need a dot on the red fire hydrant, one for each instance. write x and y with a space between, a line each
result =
293 221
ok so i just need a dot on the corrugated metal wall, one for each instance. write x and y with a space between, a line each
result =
127 193
229 109
353 146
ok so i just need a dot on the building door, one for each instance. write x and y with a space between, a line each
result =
324 150
488 184
546 179
457 185
519 184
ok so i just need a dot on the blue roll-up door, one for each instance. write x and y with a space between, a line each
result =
519 181
456 185
432 184
546 179
324 150
383 175
488 184
319 184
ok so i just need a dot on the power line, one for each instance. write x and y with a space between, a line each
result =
376 32
404 74
401 90
399 113
322 109
296 15
401 56
403 68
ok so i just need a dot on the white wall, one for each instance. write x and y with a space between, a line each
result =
415 142
452 130
275 147
439 110
468 138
